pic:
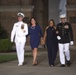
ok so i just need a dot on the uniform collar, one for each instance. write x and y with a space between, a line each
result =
20 21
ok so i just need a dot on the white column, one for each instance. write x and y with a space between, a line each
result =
62 7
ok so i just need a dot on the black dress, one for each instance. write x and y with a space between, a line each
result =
52 44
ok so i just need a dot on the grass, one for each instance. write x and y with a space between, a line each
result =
10 57
6 58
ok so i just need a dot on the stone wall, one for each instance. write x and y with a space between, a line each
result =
71 2
9 10
71 15
41 12
8 19
54 10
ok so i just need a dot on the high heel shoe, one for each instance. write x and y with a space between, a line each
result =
35 64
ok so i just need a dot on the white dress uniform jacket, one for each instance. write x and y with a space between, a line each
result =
19 34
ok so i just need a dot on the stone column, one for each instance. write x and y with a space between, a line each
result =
40 12
38 8
54 10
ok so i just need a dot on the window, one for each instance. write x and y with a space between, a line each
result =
73 19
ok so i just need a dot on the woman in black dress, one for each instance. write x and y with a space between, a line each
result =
51 42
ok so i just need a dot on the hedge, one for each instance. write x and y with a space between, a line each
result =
5 45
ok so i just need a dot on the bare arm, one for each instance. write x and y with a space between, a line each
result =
45 34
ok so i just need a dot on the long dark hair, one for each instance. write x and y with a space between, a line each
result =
52 21
35 21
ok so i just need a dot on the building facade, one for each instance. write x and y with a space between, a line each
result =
9 10
71 15
42 10
31 8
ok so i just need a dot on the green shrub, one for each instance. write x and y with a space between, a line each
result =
5 45
3 33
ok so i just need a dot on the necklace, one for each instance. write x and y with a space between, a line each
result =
32 27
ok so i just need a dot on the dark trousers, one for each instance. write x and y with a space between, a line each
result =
52 53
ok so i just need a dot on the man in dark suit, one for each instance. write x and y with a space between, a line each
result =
65 39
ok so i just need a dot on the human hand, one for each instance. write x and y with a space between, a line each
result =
71 43
11 40
58 37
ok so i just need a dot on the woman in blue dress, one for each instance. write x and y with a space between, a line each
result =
50 37
35 33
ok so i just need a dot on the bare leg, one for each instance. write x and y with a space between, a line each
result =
35 56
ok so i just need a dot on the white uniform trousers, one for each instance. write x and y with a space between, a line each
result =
64 52
20 51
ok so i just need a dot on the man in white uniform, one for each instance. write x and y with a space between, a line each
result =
65 38
19 32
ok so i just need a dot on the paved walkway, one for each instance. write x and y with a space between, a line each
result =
11 68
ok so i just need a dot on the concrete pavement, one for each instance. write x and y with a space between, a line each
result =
11 68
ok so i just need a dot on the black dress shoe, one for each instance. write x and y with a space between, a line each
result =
68 63
62 65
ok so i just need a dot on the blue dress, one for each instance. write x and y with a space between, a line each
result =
35 35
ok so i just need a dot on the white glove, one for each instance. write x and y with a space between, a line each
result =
71 43
58 37
11 40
